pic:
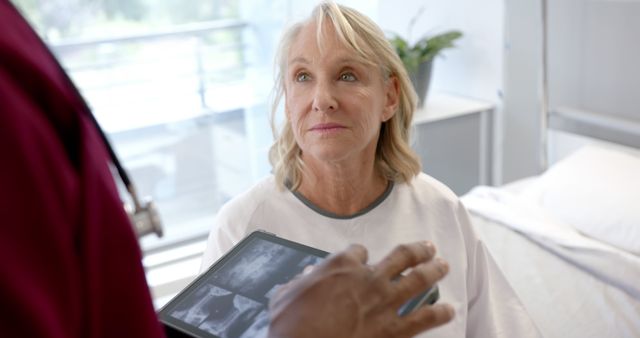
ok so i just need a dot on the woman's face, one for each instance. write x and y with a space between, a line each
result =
334 102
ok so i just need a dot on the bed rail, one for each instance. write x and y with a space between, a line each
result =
606 127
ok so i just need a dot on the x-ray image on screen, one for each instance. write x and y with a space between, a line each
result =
260 327
218 311
232 302
232 323
260 267
309 261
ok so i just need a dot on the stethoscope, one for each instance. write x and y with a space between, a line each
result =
144 215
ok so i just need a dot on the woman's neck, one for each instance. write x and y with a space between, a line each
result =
342 189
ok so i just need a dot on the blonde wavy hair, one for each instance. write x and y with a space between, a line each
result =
395 160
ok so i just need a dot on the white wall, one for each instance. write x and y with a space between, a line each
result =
594 55
594 48
474 68
612 57
522 109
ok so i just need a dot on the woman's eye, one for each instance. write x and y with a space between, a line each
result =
347 77
301 77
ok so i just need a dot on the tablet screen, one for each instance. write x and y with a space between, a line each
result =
231 299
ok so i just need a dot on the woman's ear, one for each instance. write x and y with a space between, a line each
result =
392 98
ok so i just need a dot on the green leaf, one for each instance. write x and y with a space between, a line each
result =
425 49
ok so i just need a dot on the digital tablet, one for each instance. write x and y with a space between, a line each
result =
230 300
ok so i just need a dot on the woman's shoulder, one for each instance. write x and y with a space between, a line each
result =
426 186
426 190
248 201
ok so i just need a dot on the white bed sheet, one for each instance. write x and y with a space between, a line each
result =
572 285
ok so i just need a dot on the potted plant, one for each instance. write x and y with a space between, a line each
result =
418 58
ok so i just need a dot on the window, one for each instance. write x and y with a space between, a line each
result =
175 86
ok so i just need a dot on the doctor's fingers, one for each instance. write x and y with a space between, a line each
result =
404 256
418 280
355 255
351 259
424 318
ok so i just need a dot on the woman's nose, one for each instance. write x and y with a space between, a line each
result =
324 99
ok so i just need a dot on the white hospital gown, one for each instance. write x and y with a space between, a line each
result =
484 302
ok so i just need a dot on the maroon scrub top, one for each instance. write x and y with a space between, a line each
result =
70 264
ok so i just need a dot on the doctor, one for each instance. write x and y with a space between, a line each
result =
71 264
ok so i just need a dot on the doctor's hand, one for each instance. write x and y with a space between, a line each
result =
344 297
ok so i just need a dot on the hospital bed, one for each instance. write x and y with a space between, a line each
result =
568 240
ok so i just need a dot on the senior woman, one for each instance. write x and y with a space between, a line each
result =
343 171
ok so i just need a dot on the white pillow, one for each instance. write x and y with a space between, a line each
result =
597 191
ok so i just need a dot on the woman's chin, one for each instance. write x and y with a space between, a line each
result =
328 154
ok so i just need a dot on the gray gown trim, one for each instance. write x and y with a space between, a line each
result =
330 214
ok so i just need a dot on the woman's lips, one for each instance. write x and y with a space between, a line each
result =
327 127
